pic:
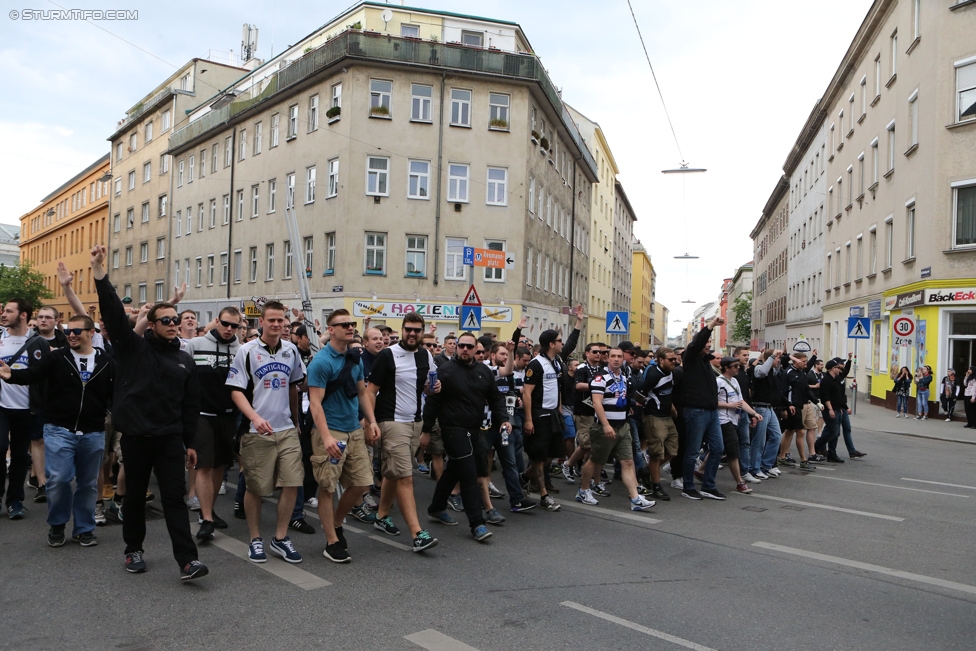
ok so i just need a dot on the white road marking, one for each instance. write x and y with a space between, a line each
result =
279 568
826 507
435 641
636 627
919 578
626 515
901 488
939 483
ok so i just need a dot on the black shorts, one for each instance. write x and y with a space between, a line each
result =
37 427
215 441
538 445
730 438
794 422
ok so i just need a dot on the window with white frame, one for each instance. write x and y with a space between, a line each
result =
460 107
132 180
313 112
375 253
290 190
498 105
189 219
160 291
143 252
964 213
418 179
873 250
860 175
200 215
416 256
528 268
494 275
457 182
410 31
330 253
213 213
130 218
179 174
380 98
889 242
115 259
179 223
851 113
289 260
894 53
255 200
420 102
377 176
163 164
916 19
336 96
253 265
142 293
145 212
307 244
237 267
166 120
910 230
874 162
272 195
531 193
333 177
913 118
891 146
210 270
146 172
258 138
214 154
864 95
160 248
273 137
310 184
269 259
860 258
497 186
966 90
476 39
133 141
877 77
454 268
118 186
163 204
224 270
228 151
242 144
128 256
226 203
118 152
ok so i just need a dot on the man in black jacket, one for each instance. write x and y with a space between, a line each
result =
700 398
156 407
76 390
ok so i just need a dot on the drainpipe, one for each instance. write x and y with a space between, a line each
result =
440 176
230 200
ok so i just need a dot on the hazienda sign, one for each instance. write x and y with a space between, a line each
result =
436 311
953 296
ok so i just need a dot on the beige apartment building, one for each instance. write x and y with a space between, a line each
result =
901 196
623 252
642 296
601 232
661 317
140 197
403 137
770 239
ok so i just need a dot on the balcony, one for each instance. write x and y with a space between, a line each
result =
141 109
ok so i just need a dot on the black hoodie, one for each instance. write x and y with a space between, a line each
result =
213 357
700 387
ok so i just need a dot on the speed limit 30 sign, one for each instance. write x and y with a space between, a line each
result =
903 328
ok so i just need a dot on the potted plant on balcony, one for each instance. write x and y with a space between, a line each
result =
535 137
333 113
544 144
498 123
379 110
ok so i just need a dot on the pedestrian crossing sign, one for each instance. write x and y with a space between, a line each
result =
858 328
470 317
617 323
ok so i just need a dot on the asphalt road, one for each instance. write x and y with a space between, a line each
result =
870 554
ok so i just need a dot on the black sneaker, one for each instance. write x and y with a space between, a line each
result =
386 526
494 493
299 524
32 481
341 535
691 494
55 536
85 539
857 455
833 458
712 494
525 505
454 501
219 522
134 563
604 476
239 511
193 570
41 496
335 553
206 531
658 493
806 465
549 504
423 541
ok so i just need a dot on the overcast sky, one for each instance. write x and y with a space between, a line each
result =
739 79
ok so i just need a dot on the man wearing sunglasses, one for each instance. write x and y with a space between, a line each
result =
76 390
659 414
156 406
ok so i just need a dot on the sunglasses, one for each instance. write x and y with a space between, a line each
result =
671 359
412 330
344 324
74 331
479 352
169 320
429 345
229 324
467 346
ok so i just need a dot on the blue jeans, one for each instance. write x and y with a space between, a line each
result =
745 451
639 463
516 442
702 425
901 404
764 441
840 421
67 457
922 403
506 457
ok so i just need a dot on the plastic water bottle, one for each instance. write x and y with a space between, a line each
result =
504 437
342 449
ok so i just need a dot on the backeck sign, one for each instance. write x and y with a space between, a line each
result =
951 296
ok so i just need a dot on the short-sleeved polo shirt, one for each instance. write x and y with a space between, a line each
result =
270 374
341 413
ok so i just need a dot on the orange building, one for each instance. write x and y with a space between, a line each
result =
65 226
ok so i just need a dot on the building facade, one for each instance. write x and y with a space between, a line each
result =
771 257
399 142
64 227
642 296
661 318
9 245
623 253
741 288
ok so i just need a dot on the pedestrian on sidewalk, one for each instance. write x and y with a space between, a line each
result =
903 387
923 380
970 397
949 391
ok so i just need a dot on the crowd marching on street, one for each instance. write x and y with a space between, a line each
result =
88 411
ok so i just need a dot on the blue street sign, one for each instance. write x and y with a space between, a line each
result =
468 256
470 317
858 328
617 323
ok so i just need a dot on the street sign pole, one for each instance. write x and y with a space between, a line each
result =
854 383
299 263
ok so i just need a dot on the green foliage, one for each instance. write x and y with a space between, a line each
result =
23 282
742 319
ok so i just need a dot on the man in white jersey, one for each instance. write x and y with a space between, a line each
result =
264 378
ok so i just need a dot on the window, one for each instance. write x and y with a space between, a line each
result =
127 290
272 194
873 252
146 172
910 230
307 243
916 19
913 116
454 259
380 97
118 187
874 162
203 163
333 177
410 31
179 175
132 180
115 259
831 137
313 112
226 200
310 184
145 212
292 121
160 248
864 96
165 120
163 164
128 256
531 194
200 216
190 175
891 147
964 213
255 199
228 150
133 141
460 107
210 270
213 157
889 242
237 267
160 291
860 257
258 137
965 91
417 255
476 39
330 253
851 113
130 218
269 257
528 268
142 293
420 102
495 275
376 253
877 77
289 262
337 96
418 179
189 219
143 252
118 152
860 174
894 53
498 110
213 213
274 131
242 144
179 223
186 272
497 186
290 190
253 265
377 176
457 183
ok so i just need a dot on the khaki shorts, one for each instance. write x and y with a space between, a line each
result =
621 446
273 461
436 444
354 467
400 442
583 424
662 437
810 416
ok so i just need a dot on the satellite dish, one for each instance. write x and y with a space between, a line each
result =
387 15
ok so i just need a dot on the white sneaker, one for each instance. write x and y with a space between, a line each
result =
666 469
948 419
761 475
749 477
312 502
641 504
774 472
223 488
678 483
193 503
586 497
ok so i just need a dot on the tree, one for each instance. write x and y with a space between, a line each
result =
23 282
742 318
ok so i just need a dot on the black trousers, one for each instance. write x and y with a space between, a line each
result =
970 412
164 455
677 461
15 426
462 466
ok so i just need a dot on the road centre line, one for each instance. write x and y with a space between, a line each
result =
626 515
939 483
283 570
910 576
901 488
826 507
636 627
436 641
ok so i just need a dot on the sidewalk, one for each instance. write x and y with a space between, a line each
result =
878 419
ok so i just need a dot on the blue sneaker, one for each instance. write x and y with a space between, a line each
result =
285 549
454 501
481 533
443 517
255 551
423 468
16 511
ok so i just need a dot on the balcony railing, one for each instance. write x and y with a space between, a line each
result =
141 109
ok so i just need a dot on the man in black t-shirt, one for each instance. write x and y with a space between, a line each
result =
583 413
659 412
542 411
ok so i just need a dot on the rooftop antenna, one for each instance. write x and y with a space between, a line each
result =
249 42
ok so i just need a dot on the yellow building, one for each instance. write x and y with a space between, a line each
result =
660 328
641 298
64 227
